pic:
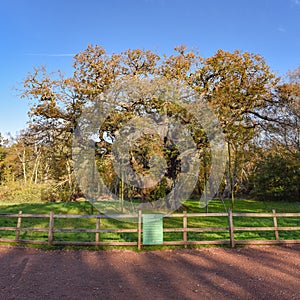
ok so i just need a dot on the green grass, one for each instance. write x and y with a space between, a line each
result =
192 206
61 208
242 205
245 206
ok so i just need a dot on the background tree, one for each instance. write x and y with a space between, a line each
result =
239 87
246 96
281 146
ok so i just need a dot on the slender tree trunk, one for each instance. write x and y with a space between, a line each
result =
205 184
230 177
69 174
122 192
37 172
24 165
46 173
34 175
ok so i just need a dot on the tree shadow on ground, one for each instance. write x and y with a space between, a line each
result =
209 273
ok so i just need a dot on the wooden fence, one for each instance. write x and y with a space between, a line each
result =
231 229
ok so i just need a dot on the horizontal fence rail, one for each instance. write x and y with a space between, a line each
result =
51 231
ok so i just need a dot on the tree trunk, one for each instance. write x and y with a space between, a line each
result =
230 177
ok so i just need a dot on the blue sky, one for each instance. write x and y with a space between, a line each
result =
35 33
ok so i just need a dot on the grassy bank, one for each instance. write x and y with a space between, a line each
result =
192 206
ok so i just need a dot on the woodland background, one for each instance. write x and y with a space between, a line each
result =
258 111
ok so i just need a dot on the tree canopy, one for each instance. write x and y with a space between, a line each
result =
257 112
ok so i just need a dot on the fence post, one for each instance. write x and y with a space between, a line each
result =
139 230
97 228
231 229
275 225
51 226
18 226
184 221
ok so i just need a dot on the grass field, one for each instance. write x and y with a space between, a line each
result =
192 206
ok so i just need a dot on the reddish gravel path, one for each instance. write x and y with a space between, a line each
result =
208 273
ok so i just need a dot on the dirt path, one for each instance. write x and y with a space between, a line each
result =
209 273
